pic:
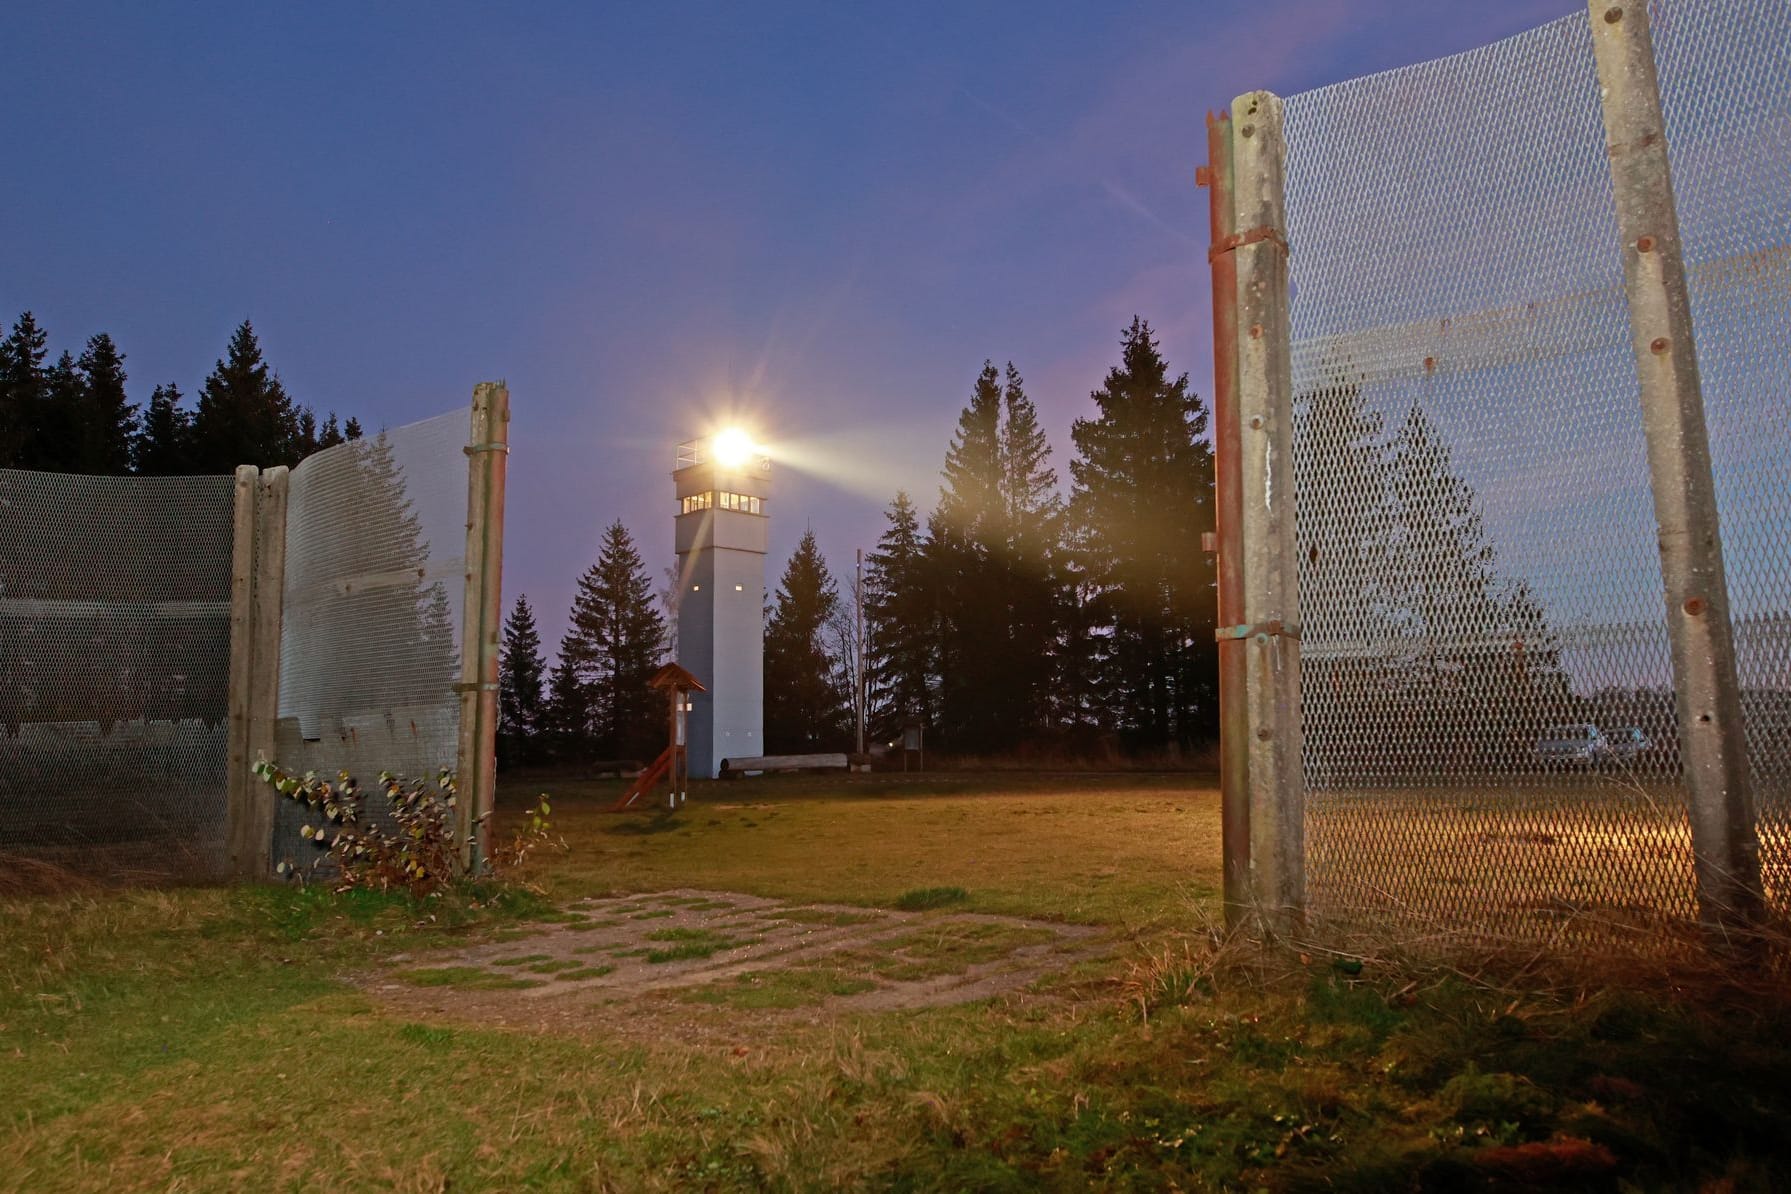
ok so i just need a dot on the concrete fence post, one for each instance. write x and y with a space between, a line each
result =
257 581
487 452
268 624
1269 622
1712 742
240 788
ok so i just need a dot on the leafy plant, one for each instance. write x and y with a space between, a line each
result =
417 849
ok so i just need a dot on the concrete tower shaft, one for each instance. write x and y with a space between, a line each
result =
722 529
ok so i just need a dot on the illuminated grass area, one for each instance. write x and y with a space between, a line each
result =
189 1039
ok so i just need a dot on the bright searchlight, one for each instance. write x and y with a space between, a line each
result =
733 448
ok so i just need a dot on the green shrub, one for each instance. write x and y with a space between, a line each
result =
422 853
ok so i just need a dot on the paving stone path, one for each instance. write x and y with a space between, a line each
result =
741 951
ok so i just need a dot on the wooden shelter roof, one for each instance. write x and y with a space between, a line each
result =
673 676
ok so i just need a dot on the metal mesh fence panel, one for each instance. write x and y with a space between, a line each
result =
1490 748
1725 74
374 588
114 662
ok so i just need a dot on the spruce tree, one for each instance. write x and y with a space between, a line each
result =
386 645
521 671
331 434
616 642
1031 566
1477 666
898 614
806 705
304 435
58 436
21 391
244 415
966 573
566 715
108 420
163 446
1142 496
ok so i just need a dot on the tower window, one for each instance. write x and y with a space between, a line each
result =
745 503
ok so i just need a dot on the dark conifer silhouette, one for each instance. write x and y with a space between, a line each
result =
807 706
1143 494
616 642
521 671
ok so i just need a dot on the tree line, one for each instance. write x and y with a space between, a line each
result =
73 415
1015 615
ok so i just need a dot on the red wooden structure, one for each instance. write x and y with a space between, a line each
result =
673 762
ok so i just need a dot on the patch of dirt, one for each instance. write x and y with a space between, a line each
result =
675 952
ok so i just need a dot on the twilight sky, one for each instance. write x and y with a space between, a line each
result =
823 216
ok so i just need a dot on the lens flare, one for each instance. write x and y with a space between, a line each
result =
733 448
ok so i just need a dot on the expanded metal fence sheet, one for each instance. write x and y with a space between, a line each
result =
114 661
1490 747
375 582
1725 72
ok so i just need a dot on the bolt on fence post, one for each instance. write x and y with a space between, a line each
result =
1712 741
476 763
241 792
1234 733
1269 625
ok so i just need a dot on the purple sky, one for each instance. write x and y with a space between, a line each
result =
645 216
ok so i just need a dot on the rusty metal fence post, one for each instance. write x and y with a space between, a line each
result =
1256 495
1712 737
487 453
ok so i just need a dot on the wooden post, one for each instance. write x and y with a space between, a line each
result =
476 763
242 790
1712 738
1269 624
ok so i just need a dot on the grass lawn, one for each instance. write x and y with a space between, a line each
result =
226 1039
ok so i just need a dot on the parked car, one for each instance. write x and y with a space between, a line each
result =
1582 745
1628 742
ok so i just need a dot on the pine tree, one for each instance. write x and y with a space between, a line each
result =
520 673
163 446
1031 564
1143 493
331 435
971 498
967 536
59 432
244 415
21 391
304 435
108 424
899 625
351 429
384 643
1477 667
566 715
616 642
805 701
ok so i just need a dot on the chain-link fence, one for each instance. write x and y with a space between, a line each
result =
114 662
373 598
1491 747
159 635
